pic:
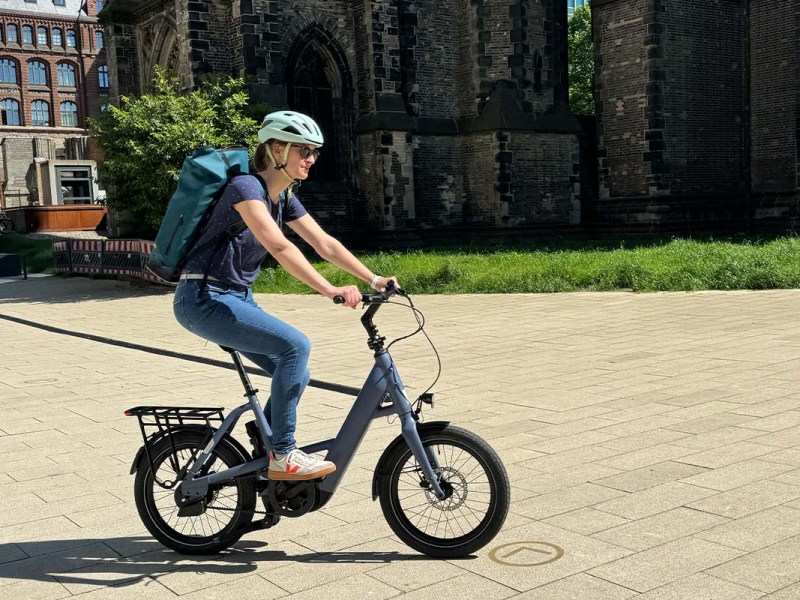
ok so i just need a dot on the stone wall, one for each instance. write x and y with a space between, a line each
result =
620 32
698 112
774 85
699 74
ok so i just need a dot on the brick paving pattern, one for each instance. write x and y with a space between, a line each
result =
654 437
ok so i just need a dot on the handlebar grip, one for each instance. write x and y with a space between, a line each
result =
338 299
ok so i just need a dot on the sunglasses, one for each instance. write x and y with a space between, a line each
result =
305 152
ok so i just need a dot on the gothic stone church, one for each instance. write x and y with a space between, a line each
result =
436 112
448 114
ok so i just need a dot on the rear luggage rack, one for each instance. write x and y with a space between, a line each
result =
159 422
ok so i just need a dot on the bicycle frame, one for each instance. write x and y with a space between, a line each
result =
383 383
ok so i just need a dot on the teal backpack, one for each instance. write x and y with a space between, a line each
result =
202 180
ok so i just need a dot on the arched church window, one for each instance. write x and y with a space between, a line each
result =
311 93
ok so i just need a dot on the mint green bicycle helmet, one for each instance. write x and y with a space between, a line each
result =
290 126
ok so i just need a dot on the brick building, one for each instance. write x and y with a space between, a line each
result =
698 112
437 114
53 75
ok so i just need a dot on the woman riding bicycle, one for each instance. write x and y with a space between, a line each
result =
214 298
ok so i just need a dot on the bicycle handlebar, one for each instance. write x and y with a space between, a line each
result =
376 297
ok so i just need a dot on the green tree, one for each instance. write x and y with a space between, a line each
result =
145 141
581 61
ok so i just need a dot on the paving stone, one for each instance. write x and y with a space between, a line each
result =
664 564
252 587
756 531
701 587
478 587
738 474
564 500
732 453
788 593
641 441
786 438
659 529
768 570
549 482
585 521
645 457
717 439
640 479
578 587
748 499
654 500
41 588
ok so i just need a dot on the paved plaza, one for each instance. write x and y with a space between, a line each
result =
652 441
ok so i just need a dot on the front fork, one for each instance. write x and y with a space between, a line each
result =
426 458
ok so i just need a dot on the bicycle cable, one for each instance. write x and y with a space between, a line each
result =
420 318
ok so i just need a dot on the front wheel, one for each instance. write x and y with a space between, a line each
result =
477 494
230 505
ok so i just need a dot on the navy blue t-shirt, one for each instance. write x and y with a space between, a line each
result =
238 261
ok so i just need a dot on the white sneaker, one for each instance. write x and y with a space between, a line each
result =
297 465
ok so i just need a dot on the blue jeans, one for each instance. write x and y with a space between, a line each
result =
230 317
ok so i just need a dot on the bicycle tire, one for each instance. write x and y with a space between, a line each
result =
396 499
172 531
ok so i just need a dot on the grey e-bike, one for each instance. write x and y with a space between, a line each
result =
443 490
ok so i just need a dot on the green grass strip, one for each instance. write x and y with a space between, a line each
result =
674 265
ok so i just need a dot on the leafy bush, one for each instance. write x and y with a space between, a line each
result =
145 141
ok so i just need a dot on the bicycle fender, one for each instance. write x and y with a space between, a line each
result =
433 426
141 454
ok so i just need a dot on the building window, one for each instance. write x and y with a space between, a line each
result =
40 113
1 33
41 36
57 39
66 75
99 5
573 4
99 41
74 185
59 2
12 34
27 34
8 71
70 38
69 114
37 73
103 107
9 111
102 76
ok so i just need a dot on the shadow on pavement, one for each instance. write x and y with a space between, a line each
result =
65 289
128 560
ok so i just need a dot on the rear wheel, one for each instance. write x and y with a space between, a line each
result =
476 487
229 508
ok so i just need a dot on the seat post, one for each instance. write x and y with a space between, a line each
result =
237 361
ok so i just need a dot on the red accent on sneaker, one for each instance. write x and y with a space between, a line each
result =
293 469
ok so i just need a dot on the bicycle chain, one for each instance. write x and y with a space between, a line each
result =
225 508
